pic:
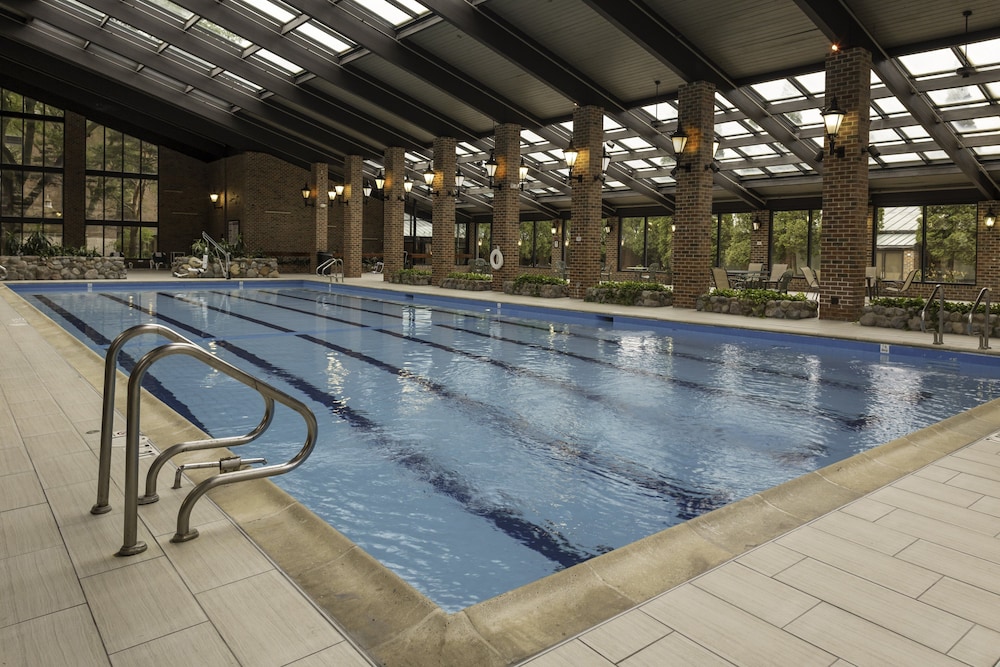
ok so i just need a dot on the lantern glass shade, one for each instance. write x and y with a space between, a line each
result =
554 230
367 189
833 116
429 175
522 171
407 184
214 197
306 191
491 166
679 139
990 219
459 178
571 154
339 189
379 180
605 161
331 194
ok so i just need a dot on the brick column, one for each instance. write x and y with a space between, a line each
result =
611 245
506 210
352 203
321 214
443 241
692 249
844 247
584 265
393 210
987 250
759 238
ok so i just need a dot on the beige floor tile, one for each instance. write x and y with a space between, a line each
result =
986 458
341 655
959 464
988 445
945 534
25 412
92 544
966 601
14 460
935 473
19 394
987 505
936 509
903 615
72 468
136 604
770 559
756 594
987 487
875 566
30 644
863 532
266 621
863 643
161 517
37 583
20 490
622 636
674 650
220 555
937 490
867 509
571 654
199 646
71 503
42 424
732 633
28 529
980 648
61 442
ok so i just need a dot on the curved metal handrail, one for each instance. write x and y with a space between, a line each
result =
939 333
222 252
108 410
984 335
327 268
130 544
3 270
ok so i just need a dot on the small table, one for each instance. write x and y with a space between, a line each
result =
746 278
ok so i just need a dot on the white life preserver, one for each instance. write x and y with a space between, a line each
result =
496 259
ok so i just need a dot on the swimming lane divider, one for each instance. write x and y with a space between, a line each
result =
550 544
127 361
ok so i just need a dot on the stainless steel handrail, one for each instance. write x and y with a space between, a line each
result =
222 252
3 269
108 410
984 335
939 334
130 543
326 268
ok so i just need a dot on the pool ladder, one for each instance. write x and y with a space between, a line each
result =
984 335
939 332
333 268
230 470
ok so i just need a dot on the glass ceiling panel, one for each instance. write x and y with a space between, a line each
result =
937 156
930 63
324 38
275 59
732 129
224 33
883 137
268 8
611 124
79 7
530 138
723 104
390 12
897 158
778 91
957 97
814 84
635 143
758 150
890 106
914 132
240 81
805 118
172 8
135 34
662 111
984 54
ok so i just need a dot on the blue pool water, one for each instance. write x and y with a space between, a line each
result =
473 449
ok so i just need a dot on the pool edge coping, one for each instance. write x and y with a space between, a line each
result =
397 625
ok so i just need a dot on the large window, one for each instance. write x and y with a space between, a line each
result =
731 240
472 241
535 243
121 205
646 241
938 241
795 238
31 169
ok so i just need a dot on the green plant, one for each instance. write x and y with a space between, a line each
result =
538 279
470 276
37 244
758 297
413 273
627 292
199 247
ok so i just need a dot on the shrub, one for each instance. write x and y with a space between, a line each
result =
470 276
758 297
538 279
627 292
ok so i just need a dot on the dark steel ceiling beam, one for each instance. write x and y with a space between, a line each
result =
842 27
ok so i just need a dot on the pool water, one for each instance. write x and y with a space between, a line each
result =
474 449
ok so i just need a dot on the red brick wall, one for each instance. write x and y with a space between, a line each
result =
274 218
443 209
506 210
584 265
352 210
845 243
393 209
692 254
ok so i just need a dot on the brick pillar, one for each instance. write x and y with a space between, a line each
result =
692 250
393 210
584 265
352 205
758 238
506 211
987 250
443 241
321 214
844 246
611 244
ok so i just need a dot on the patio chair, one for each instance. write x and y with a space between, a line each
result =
871 281
812 282
720 278
559 268
895 287
782 284
755 272
777 271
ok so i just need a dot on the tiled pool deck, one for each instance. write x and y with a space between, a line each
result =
900 565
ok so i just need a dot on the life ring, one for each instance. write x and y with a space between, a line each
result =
496 259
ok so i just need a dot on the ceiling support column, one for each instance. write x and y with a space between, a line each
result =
584 249
393 210
692 249
506 204
845 242
321 212
352 203
443 209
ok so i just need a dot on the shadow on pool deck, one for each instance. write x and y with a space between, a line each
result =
399 626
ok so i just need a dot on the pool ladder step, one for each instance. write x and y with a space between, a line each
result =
229 470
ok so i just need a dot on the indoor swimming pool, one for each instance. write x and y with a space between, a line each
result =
473 448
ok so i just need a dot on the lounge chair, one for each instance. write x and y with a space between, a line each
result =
782 284
871 281
812 282
755 271
721 278
895 287
777 271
